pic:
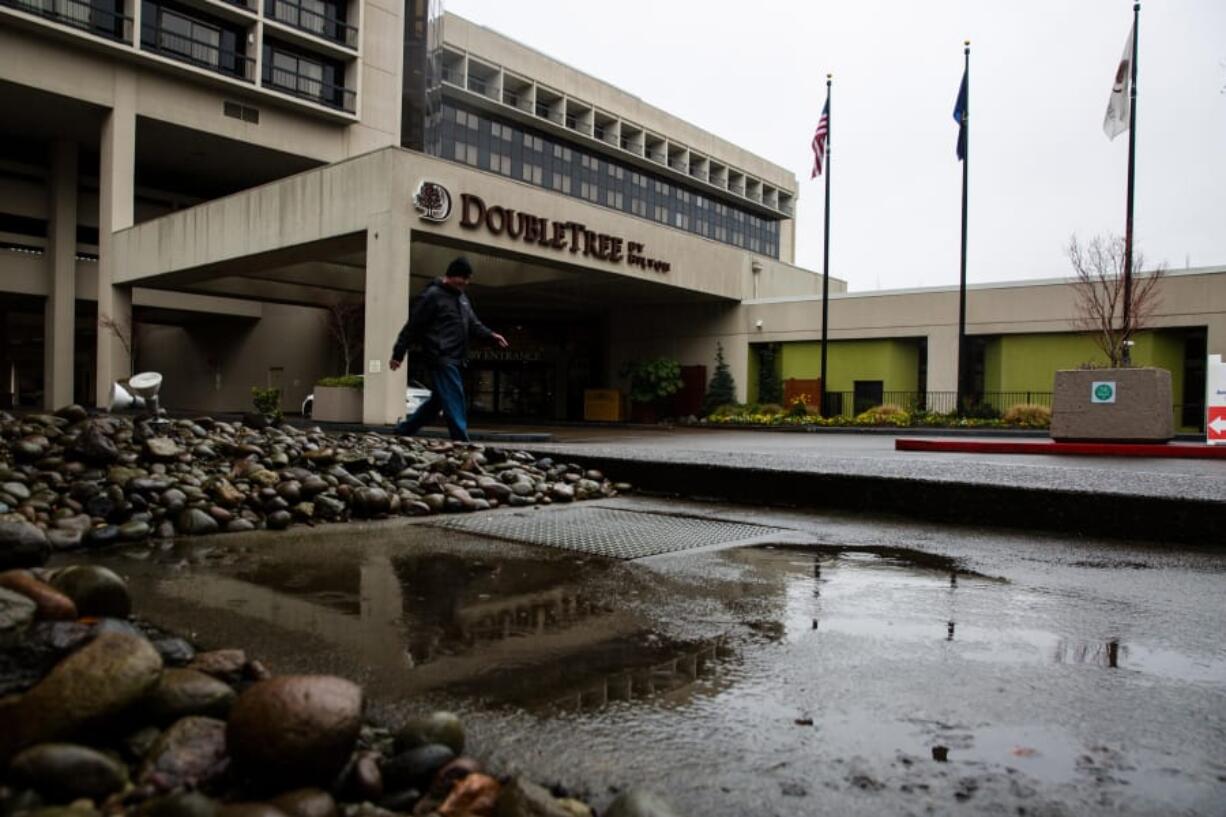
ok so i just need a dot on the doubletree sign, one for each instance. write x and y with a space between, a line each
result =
433 202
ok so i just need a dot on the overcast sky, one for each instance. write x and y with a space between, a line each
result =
1041 71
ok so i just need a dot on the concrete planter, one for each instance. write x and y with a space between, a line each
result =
335 404
1131 405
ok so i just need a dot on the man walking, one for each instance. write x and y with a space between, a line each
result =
442 321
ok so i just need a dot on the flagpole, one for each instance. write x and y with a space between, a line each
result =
1126 356
823 408
966 162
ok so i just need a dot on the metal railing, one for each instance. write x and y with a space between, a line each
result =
201 53
453 76
309 88
313 22
631 145
480 85
515 100
80 14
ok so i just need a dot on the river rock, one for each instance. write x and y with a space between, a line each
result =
134 530
224 665
370 502
101 536
22 545
17 490
16 614
162 449
523 798
63 772
362 780
295 729
195 522
310 802
192 752
476 794
415 768
561 492
73 413
437 727
95 590
639 803
95 447
175 652
51 604
91 686
184 692
60 539
180 804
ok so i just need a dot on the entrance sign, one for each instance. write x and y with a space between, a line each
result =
1215 401
432 201
557 235
1102 391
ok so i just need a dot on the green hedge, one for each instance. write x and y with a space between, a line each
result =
347 381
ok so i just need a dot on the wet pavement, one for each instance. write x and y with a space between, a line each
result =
787 663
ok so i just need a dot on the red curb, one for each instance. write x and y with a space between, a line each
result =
1195 451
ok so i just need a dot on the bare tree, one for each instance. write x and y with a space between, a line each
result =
1099 266
347 325
126 333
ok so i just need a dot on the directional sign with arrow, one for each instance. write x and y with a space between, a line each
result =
1216 426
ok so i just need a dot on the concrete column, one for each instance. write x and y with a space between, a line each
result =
60 317
943 359
116 182
387 308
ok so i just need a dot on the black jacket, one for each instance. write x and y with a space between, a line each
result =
441 321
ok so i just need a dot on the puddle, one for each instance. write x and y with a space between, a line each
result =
793 676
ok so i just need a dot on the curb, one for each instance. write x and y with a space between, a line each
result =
1163 520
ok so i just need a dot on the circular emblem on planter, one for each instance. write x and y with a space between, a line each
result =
432 201
1102 391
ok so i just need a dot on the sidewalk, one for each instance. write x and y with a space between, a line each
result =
1163 500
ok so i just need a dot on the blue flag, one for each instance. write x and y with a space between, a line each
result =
962 111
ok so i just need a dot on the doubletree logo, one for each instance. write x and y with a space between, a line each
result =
432 201
1103 391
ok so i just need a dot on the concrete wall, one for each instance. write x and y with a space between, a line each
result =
894 362
211 366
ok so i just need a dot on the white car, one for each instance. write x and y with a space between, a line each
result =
414 395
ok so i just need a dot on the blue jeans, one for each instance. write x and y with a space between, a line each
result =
447 396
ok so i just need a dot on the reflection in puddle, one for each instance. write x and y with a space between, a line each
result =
885 654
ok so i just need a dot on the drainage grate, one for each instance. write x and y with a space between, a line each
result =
610 532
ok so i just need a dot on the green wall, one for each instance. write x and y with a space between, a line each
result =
1014 363
894 362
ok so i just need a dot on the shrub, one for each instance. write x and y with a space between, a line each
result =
267 402
722 389
728 410
799 407
769 409
1028 414
981 411
770 387
653 380
884 415
347 381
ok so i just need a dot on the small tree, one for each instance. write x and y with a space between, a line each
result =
1099 266
347 326
722 389
770 389
126 333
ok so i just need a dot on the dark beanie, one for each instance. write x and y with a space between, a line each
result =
460 268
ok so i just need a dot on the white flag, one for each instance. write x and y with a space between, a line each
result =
1118 107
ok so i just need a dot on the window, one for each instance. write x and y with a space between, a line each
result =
466 153
561 183
199 42
532 173
500 163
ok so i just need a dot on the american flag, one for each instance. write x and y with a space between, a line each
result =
819 140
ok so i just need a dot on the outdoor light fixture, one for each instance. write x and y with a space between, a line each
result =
147 385
121 399
757 324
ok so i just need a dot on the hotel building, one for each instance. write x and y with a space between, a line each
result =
194 186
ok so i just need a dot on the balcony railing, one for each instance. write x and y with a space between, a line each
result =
515 100
201 53
629 144
80 14
453 76
313 22
480 85
309 88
